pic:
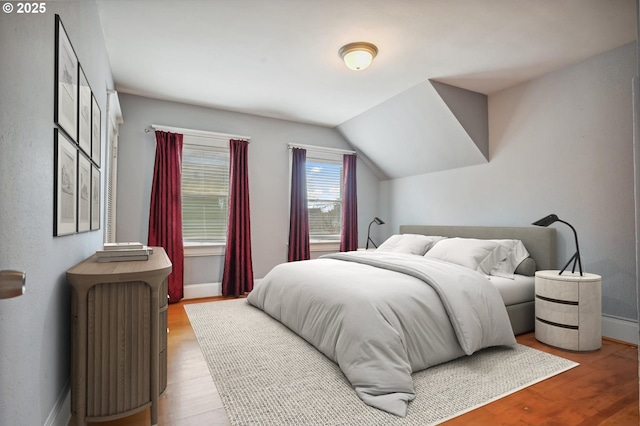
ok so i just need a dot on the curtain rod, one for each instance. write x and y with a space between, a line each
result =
322 148
193 132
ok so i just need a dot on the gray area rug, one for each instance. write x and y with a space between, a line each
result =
267 375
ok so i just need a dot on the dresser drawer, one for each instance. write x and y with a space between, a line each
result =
553 289
565 338
560 313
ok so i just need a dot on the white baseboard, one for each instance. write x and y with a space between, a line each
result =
197 291
60 414
621 329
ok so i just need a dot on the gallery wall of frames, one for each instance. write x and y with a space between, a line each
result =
77 134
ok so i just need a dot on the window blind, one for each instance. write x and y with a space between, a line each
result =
114 119
324 198
112 179
205 192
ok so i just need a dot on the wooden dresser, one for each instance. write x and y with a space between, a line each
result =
118 337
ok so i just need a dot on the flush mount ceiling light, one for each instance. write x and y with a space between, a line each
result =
358 56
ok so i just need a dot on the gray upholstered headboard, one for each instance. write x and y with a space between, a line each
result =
539 241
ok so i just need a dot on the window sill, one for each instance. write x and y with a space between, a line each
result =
315 246
218 249
204 249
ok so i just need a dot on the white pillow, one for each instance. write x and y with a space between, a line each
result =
409 243
478 255
516 253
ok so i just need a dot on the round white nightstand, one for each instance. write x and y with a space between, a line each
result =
569 310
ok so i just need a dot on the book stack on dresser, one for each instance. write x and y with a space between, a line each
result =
123 252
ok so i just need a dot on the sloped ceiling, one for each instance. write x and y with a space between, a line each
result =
279 59
430 127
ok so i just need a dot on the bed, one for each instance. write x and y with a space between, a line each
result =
382 315
539 241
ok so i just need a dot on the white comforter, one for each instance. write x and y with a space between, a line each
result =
382 316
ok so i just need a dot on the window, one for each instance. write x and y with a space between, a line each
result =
205 188
324 195
114 119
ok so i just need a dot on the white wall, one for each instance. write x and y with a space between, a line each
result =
559 144
268 176
35 327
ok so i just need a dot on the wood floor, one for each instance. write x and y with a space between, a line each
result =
603 390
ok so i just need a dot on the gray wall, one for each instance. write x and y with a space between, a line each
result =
34 328
268 176
559 144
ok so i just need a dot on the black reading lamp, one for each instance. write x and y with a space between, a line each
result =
548 220
377 221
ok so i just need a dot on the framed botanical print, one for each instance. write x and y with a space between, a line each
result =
95 131
66 174
84 193
84 112
95 198
65 111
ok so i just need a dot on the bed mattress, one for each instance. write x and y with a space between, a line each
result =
521 289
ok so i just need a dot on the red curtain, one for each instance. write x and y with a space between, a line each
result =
165 214
298 216
349 232
237 278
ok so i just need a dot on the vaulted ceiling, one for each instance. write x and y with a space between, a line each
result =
421 105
